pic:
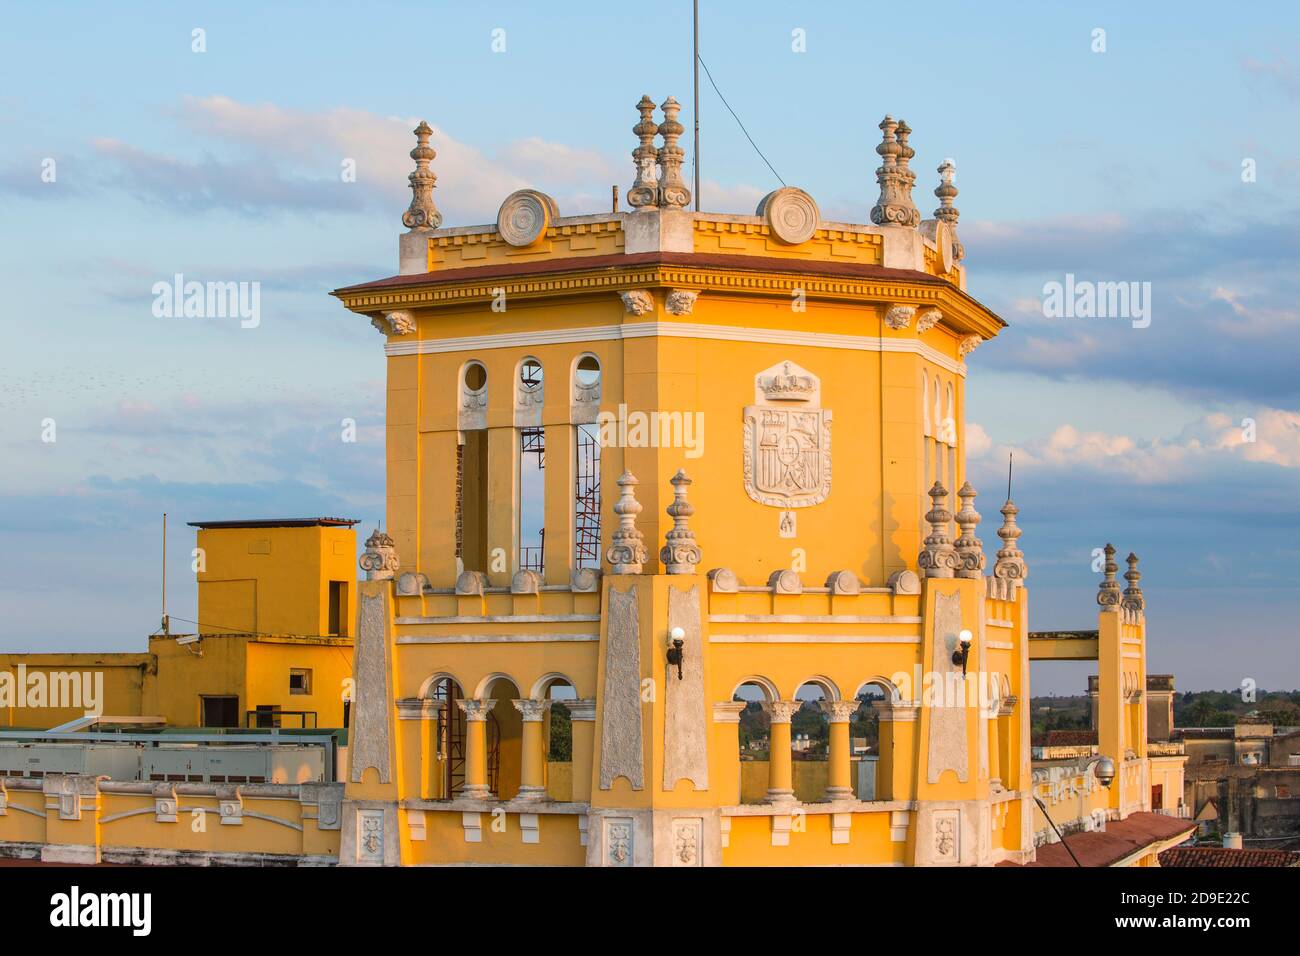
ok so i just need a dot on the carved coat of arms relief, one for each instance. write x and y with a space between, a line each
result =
787 439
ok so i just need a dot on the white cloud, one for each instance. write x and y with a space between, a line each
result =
1215 440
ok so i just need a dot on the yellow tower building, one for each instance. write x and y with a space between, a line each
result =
655 467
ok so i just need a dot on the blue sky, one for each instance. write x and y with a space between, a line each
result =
1123 165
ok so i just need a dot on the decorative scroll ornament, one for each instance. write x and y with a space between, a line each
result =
947 213
525 216
645 189
894 207
680 554
970 550
928 320
938 558
422 213
787 440
673 193
1010 564
967 345
627 550
379 560
791 214
1133 599
1108 593
637 301
899 317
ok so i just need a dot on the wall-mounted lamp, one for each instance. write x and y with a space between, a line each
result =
962 654
676 653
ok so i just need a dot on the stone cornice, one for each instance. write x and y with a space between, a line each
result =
718 274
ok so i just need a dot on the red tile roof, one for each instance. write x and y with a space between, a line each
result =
1219 856
1120 839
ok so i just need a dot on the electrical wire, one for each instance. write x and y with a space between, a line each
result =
737 119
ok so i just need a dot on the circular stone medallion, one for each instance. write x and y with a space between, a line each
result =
524 217
791 214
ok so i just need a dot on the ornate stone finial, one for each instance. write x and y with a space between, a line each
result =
379 560
1010 564
680 554
1108 594
627 551
645 189
938 559
673 193
970 550
947 212
905 155
1133 599
422 213
894 207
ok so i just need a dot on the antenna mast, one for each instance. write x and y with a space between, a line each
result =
696 65
166 625
1010 457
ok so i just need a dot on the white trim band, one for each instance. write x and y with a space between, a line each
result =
681 330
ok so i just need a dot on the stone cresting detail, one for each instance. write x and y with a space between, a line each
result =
970 550
928 320
680 554
894 207
905 581
787 440
372 696
785 581
621 747
1010 564
681 301
900 317
947 744
938 559
637 301
686 736
724 581
947 213
422 213
526 581
584 580
1108 593
524 217
644 192
379 560
1133 599
844 582
791 214
627 551
471 582
673 193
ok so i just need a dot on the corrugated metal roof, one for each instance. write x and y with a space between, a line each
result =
279 523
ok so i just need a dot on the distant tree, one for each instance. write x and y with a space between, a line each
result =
561 734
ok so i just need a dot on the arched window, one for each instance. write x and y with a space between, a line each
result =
532 465
471 469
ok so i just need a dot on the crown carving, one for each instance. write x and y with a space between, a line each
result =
789 385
